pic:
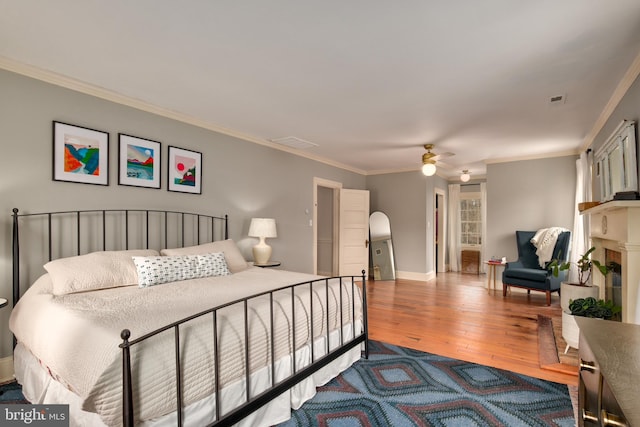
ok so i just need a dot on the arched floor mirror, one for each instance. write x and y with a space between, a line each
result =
382 258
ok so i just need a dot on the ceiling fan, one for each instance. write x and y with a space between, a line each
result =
429 160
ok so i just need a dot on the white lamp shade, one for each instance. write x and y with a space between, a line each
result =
262 228
428 169
465 177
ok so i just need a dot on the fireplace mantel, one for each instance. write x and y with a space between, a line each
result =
615 225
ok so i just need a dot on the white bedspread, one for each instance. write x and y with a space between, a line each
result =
76 336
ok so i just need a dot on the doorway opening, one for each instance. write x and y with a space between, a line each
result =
439 234
340 229
325 226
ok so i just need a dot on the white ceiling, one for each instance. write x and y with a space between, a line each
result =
368 81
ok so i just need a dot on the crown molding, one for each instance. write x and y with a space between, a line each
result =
621 90
397 170
534 157
108 95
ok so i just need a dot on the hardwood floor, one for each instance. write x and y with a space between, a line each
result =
455 316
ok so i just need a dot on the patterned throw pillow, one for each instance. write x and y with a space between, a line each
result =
213 264
232 255
155 270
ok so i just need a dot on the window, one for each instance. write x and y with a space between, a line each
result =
470 219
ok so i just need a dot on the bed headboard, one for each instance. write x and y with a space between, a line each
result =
53 235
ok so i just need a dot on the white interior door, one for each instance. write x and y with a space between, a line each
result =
354 232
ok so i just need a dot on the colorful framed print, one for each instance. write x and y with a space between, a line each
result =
138 161
80 154
184 171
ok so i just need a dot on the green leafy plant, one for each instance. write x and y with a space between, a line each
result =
591 307
584 264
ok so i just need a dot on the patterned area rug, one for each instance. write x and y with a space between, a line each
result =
11 392
402 387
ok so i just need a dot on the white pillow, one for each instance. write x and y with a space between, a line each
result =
96 270
232 254
155 270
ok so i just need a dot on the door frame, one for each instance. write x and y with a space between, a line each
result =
336 187
440 230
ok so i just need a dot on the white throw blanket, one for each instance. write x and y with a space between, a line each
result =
545 241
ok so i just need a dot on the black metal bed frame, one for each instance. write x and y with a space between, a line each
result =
252 403
102 214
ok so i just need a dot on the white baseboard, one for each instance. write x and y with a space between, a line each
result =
6 369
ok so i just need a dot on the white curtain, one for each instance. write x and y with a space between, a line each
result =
580 234
483 207
454 227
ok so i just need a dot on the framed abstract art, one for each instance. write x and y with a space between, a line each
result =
80 154
184 171
138 162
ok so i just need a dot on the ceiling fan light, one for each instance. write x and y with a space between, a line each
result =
465 177
428 169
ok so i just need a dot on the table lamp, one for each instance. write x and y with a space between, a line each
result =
262 228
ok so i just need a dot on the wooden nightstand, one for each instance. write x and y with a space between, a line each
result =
269 264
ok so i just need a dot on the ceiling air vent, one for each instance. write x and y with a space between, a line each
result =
293 142
557 100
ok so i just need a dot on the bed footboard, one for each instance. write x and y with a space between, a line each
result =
350 312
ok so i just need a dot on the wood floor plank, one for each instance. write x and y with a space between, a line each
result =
454 316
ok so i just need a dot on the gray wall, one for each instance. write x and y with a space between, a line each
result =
539 193
240 178
627 109
408 200
245 180
528 195
521 195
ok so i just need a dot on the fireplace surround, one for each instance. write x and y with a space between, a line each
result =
615 231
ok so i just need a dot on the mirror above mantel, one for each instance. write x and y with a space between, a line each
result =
616 164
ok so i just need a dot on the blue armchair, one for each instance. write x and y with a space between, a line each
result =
526 271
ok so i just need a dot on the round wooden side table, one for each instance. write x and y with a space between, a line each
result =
491 273
269 264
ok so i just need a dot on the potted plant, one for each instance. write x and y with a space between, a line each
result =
586 307
581 290
591 307
585 265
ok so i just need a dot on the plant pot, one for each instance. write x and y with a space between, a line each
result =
570 330
570 291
